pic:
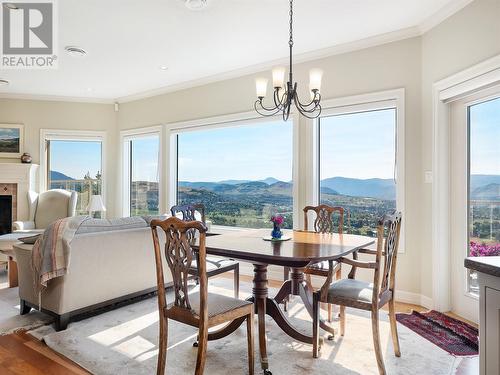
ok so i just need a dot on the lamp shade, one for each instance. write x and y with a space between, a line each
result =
96 204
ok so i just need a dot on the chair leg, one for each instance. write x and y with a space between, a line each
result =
237 281
330 312
342 320
162 347
315 325
394 329
202 350
250 335
24 308
286 275
376 343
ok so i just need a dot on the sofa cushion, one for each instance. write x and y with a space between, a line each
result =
107 225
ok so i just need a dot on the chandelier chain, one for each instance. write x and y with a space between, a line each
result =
290 42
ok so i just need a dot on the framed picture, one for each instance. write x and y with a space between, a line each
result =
11 140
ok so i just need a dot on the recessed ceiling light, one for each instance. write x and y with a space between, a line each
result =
163 67
196 4
75 51
4 82
10 6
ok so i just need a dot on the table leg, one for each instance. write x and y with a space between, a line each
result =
259 291
12 273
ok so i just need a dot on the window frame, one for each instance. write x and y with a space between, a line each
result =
72 135
218 122
125 137
392 99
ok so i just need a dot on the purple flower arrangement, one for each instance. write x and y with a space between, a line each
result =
277 221
484 249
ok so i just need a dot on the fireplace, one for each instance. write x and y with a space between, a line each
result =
8 207
5 214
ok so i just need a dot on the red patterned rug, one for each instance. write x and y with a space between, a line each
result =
454 336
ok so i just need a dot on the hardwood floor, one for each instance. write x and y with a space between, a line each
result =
22 354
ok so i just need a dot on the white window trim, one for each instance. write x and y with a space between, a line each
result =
73 135
126 136
457 86
360 103
237 119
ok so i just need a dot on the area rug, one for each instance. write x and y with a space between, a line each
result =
124 341
452 335
10 320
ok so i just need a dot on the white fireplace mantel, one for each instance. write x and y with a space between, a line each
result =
26 178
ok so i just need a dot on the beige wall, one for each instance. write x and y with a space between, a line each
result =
463 40
37 114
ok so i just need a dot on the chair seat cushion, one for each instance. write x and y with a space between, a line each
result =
214 264
217 304
355 290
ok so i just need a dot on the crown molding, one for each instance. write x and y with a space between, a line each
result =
442 14
361 44
377 40
56 98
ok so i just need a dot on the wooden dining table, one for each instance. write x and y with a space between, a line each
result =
303 248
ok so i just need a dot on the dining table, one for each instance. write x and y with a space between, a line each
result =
296 250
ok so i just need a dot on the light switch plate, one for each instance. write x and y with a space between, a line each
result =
428 177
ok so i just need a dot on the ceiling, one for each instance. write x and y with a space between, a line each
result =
129 40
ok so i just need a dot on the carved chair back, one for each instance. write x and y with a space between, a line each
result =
179 255
388 233
323 222
189 211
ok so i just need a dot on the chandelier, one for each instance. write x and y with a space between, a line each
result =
284 95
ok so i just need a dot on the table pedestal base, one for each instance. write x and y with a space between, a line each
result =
270 306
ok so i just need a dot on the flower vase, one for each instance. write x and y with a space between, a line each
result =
276 233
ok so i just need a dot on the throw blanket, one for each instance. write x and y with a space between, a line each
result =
50 252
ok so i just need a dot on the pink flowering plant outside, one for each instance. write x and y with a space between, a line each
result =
484 249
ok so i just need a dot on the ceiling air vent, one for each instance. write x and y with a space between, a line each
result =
196 4
75 51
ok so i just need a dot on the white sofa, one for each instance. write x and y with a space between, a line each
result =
105 268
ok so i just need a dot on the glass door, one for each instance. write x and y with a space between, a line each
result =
474 192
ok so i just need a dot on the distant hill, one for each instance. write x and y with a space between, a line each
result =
373 187
489 192
54 175
481 180
484 187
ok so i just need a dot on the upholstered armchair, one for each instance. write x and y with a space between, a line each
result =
46 208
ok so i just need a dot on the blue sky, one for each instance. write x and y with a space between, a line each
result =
75 158
247 152
485 137
357 145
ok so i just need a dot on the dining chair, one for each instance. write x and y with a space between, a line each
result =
323 223
215 266
200 309
363 295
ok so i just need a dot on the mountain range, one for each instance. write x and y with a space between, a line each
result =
483 187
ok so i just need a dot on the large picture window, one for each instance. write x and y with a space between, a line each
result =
241 173
142 155
357 158
75 165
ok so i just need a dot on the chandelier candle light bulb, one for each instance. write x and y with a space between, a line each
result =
261 87
315 76
279 77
